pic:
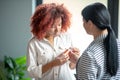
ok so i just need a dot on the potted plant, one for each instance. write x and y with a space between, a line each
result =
13 69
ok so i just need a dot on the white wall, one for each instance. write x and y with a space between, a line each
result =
79 36
14 27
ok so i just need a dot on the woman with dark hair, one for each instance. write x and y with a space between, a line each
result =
101 60
48 50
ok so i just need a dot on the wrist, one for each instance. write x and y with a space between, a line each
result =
72 65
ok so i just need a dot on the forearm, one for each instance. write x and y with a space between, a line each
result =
59 60
48 66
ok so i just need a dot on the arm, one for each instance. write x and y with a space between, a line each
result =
36 70
33 69
59 60
48 66
74 56
87 67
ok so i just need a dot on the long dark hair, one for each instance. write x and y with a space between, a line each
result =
100 16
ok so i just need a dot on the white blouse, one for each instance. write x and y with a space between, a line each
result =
40 52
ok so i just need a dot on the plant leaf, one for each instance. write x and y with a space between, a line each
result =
9 63
21 60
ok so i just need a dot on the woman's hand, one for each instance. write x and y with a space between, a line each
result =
74 55
62 58
59 60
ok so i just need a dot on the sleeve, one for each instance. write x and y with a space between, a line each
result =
34 70
86 67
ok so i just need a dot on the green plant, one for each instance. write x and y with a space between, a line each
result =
2 72
13 69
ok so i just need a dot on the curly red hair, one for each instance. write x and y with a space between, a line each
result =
44 17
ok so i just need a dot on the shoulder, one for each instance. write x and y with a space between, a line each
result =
95 47
32 41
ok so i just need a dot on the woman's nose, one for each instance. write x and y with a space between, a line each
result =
57 27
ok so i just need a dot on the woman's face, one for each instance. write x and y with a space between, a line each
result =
55 28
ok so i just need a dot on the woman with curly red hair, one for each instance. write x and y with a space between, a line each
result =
48 50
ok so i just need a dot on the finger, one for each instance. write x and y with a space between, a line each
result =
67 51
77 53
67 58
76 50
63 61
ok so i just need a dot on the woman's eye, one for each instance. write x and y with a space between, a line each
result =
59 25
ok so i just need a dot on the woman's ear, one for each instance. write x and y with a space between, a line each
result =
91 26
90 23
